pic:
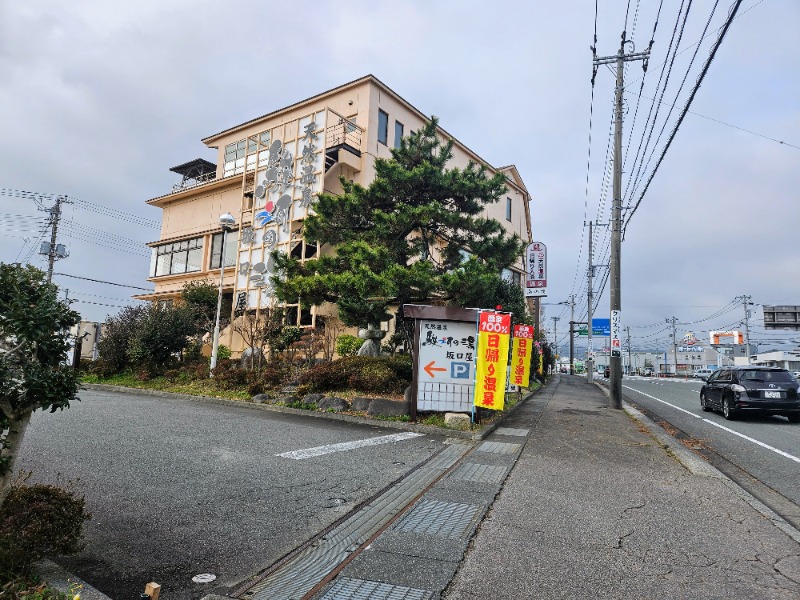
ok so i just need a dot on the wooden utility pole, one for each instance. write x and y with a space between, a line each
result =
615 361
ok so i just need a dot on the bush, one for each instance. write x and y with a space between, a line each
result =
37 521
223 352
364 374
228 375
347 345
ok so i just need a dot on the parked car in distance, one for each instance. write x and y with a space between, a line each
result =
796 375
766 390
648 372
703 374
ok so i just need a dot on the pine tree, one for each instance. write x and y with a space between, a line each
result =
404 238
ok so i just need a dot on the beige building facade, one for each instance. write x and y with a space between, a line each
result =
267 173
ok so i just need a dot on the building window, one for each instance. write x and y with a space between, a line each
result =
508 209
383 127
178 257
398 134
231 243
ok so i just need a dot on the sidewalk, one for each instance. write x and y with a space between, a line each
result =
595 507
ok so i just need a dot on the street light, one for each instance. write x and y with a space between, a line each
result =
227 222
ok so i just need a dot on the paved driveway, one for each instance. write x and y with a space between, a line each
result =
180 487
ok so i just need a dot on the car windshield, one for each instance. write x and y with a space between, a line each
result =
767 376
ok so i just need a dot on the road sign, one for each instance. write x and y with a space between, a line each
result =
600 327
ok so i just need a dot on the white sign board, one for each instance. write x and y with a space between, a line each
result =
536 270
445 379
615 328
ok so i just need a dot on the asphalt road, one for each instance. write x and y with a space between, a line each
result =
178 487
765 447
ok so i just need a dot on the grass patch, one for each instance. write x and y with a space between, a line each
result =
27 587
192 387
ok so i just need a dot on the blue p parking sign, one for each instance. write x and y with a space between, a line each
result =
459 370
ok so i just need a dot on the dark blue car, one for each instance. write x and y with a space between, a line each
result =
738 390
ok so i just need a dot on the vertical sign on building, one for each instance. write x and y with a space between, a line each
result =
536 270
491 365
521 355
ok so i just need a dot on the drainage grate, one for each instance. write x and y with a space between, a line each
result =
498 448
510 431
431 517
306 569
359 589
479 473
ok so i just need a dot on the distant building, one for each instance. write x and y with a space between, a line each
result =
777 358
266 174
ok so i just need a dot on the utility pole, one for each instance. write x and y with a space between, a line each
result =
52 251
572 334
745 303
590 349
673 320
615 383
555 334
630 364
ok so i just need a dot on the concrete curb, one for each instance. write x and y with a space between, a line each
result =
66 582
698 466
415 427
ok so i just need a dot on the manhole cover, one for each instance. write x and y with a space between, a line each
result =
204 578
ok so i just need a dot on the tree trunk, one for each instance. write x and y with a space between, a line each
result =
13 442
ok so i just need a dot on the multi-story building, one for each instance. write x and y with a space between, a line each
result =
266 175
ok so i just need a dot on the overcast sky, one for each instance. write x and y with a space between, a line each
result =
100 99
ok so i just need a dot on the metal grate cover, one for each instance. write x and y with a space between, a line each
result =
498 448
477 473
510 431
346 588
432 517
302 572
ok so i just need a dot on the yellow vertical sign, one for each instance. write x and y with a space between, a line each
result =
491 359
521 355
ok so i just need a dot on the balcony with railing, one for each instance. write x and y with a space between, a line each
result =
195 172
341 134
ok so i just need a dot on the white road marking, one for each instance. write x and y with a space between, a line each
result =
741 435
344 446
664 402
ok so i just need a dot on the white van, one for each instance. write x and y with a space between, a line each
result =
703 374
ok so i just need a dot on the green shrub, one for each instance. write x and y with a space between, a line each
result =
364 374
228 375
223 352
347 345
37 521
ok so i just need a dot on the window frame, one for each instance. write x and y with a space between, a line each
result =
508 209
166 255
398 139
229 252
383 127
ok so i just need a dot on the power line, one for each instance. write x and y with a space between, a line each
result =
133 287
713 53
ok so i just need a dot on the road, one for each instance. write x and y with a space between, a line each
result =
179 488
764 448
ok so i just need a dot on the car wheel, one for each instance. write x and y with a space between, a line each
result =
793 418
727 411
704 402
